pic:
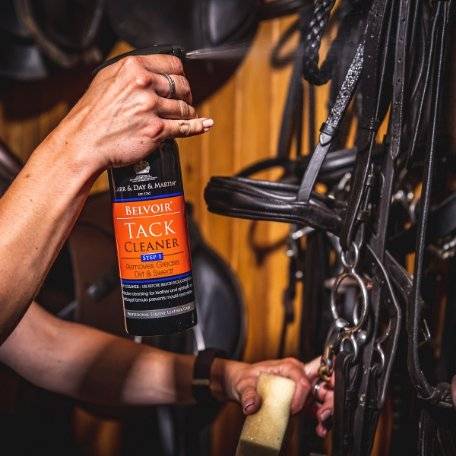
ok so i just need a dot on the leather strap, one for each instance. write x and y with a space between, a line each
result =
315 31
374 79
329 129
292 113
273 201
436 56
372 90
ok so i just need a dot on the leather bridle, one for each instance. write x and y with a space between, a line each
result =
394 77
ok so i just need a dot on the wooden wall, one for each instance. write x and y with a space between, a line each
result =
247 114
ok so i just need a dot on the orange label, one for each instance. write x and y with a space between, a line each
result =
151 238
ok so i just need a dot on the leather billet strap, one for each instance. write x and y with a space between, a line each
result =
437 45
414 106
342 436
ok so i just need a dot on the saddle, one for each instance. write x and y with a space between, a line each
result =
20 58
39 36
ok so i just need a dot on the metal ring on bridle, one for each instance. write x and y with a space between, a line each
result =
364 300
354 345
172 85
345 260
378 346
326 369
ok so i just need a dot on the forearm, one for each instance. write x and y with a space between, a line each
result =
93 366
36 215
96 367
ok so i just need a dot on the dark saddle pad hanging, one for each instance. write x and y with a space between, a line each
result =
192 24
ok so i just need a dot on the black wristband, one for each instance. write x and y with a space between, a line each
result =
202 376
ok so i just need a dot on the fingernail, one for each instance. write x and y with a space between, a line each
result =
248 406
321 431
207 123
325 415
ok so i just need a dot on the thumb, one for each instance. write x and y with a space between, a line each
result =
250 399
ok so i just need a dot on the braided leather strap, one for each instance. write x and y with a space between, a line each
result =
317 26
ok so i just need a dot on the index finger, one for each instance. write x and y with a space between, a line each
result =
293 370
162 63
302 385
311 369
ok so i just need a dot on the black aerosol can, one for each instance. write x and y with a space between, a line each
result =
151 237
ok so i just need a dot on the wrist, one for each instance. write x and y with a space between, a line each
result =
217 379
224 375
76 149
60 168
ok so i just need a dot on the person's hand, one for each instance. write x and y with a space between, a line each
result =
324 407
239 383
125 113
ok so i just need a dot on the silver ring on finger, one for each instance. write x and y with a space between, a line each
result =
172 85
316 389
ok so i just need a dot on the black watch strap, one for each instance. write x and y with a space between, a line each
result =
202 375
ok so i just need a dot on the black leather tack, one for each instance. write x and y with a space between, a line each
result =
393 72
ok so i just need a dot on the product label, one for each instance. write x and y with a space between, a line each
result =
153 256
151 237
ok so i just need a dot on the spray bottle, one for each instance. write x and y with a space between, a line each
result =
151 235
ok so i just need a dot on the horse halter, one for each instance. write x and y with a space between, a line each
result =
394 77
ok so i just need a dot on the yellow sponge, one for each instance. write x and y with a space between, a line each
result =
263 432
